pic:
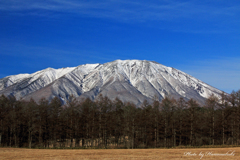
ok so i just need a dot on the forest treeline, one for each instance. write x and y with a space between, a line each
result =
113 124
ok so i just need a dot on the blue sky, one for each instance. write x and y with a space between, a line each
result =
199 37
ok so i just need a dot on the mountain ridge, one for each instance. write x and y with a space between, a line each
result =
128 80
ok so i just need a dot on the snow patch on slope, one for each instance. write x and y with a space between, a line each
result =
16 78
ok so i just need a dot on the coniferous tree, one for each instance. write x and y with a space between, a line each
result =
192 107
12 121
147 126
211 105
130 123
4 109
238 115
29 108
70 111
181 107
167 106
53 114
156 107
41 121
104 106
118 121
232 119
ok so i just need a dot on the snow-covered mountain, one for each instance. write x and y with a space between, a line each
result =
129 80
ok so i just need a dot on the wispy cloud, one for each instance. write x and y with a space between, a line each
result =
222 73
197 17
127 10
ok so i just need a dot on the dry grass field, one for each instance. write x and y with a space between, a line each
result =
119 154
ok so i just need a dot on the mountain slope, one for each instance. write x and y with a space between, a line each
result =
24 84
129 80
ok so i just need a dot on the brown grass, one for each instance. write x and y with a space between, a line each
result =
116 154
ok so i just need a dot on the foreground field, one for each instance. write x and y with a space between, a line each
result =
119 154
